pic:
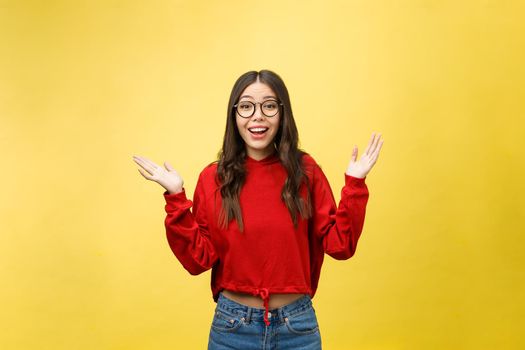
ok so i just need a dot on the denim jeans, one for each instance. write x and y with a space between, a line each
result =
237 326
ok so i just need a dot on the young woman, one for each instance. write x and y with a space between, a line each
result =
263 217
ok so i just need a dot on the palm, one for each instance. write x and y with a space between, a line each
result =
360 168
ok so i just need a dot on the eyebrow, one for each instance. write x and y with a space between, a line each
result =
252 96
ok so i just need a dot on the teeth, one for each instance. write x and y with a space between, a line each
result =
258 129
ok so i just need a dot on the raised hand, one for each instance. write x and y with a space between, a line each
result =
168 178
360 168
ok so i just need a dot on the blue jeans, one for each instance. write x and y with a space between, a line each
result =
237 326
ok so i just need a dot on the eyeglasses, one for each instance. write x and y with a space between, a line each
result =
246 109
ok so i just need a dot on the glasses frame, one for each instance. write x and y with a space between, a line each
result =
255 108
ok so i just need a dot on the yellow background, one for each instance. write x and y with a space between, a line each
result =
84 85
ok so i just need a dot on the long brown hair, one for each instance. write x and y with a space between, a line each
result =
231 173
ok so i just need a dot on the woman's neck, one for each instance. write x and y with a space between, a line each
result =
261 154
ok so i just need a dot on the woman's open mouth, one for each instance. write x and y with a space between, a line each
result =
258 133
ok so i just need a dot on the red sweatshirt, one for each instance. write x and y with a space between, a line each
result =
270 256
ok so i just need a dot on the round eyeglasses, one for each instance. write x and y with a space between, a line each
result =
246 109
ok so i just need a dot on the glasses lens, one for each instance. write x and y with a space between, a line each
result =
245 109
270 108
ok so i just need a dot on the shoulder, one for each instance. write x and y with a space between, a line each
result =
309 164
210 169
209 172
314 171
206 183
308 160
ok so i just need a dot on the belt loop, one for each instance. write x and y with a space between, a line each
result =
280 312
249 314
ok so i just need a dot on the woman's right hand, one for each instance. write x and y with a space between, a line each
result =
168 178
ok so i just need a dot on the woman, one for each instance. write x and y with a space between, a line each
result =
263 217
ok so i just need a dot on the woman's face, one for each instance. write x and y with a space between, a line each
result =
258 146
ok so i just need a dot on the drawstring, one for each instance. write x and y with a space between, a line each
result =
264 294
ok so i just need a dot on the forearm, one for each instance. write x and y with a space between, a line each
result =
189 241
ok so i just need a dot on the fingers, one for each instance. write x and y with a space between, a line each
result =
367 150
376 153
152 164
374 145
354 153
168 166
142 173
145 163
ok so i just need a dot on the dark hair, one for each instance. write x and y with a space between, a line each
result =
230 170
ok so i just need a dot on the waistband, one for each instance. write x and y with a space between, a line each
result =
232 307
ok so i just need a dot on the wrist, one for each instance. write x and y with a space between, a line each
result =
358 176
175 191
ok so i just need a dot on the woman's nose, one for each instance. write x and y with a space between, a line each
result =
258 112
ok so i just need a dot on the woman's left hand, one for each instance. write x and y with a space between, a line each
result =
360 168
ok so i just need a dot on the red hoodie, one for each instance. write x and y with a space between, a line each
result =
270 256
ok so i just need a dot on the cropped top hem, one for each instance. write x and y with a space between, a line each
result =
262 292
252 290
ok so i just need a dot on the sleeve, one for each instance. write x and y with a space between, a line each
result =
340 227
187 231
